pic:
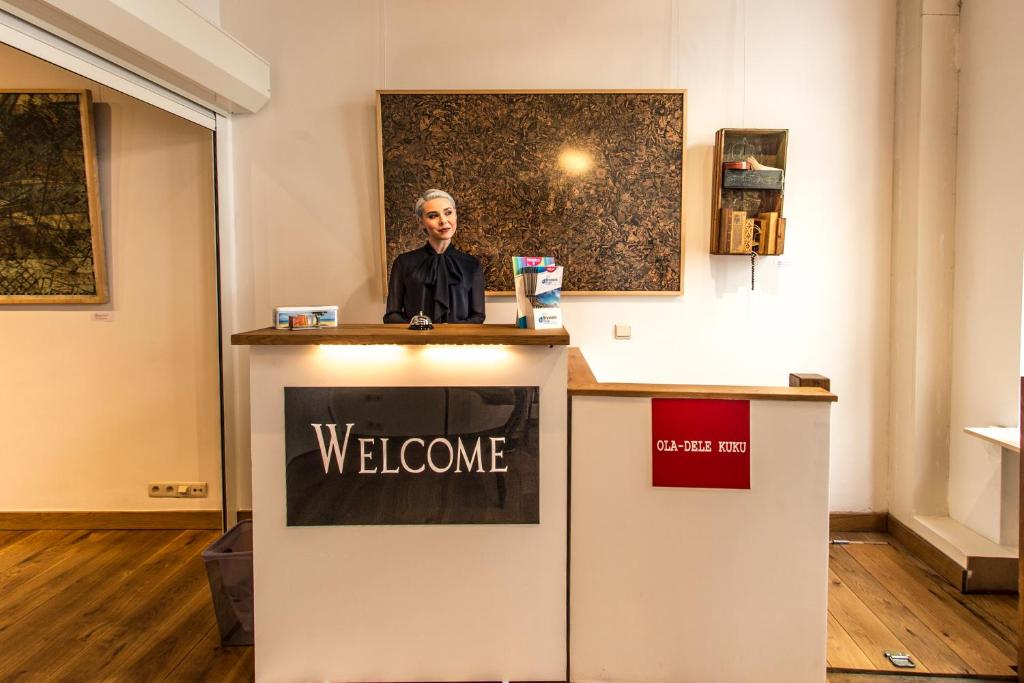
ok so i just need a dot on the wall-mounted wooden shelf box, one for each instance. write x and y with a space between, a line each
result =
746 204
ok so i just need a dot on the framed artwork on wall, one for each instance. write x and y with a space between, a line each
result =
593 178
51 231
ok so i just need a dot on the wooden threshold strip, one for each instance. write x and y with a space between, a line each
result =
114 519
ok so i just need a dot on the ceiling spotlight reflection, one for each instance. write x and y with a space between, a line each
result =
575 161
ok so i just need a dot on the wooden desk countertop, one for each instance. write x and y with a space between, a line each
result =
400 334
582 382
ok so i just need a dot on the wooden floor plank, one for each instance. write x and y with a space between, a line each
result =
1002 608
1000 633
16 548
108 621
209 661
966 635
144 657
8 536
872 636
874 677
861 536
21 594
153 610
843 652
126 606
28 558
62 603
975 604
897 617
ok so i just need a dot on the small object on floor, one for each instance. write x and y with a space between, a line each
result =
900 659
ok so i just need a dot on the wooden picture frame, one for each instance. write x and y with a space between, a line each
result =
51 227
505 155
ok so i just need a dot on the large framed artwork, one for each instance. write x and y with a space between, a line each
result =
51 232
593 178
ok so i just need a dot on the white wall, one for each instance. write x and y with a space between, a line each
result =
307 181
923 230
989 247
208 9
92 411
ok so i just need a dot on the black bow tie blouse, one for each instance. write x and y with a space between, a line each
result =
447 287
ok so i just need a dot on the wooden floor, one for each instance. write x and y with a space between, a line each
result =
881 598
135 606
110 606
877 677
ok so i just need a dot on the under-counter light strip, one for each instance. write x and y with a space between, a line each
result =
438 353
361 352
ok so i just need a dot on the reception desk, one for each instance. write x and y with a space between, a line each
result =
367 590
637 579
680 581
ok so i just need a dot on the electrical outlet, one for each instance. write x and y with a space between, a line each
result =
178 489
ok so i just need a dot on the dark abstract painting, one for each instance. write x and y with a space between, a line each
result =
51 247
594 179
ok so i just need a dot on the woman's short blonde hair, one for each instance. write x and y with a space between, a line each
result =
431 194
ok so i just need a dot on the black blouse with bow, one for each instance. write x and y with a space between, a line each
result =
447 287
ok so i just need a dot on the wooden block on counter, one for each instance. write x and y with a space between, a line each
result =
809 379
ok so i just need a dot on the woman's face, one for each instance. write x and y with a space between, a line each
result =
439 219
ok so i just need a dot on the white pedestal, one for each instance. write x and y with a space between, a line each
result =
680 585
405 603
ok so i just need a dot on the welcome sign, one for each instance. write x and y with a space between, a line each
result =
412 455
700 443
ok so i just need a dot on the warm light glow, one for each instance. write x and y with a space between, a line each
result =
452 356
355 353
575 161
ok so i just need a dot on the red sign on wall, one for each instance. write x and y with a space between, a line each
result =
700 443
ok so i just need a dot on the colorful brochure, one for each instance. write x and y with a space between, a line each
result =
538 282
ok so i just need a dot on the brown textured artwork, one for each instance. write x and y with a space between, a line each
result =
592 178
51 246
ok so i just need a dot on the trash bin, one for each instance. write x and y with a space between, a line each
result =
229 567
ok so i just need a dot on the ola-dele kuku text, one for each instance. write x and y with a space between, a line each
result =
415 455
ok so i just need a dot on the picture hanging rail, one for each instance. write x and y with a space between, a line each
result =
51 232
592 178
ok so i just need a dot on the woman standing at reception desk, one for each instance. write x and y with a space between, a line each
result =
437 279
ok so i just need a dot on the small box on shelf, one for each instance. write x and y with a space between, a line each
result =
764 235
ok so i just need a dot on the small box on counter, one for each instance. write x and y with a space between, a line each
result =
305 317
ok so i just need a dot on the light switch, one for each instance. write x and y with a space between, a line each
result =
623 331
